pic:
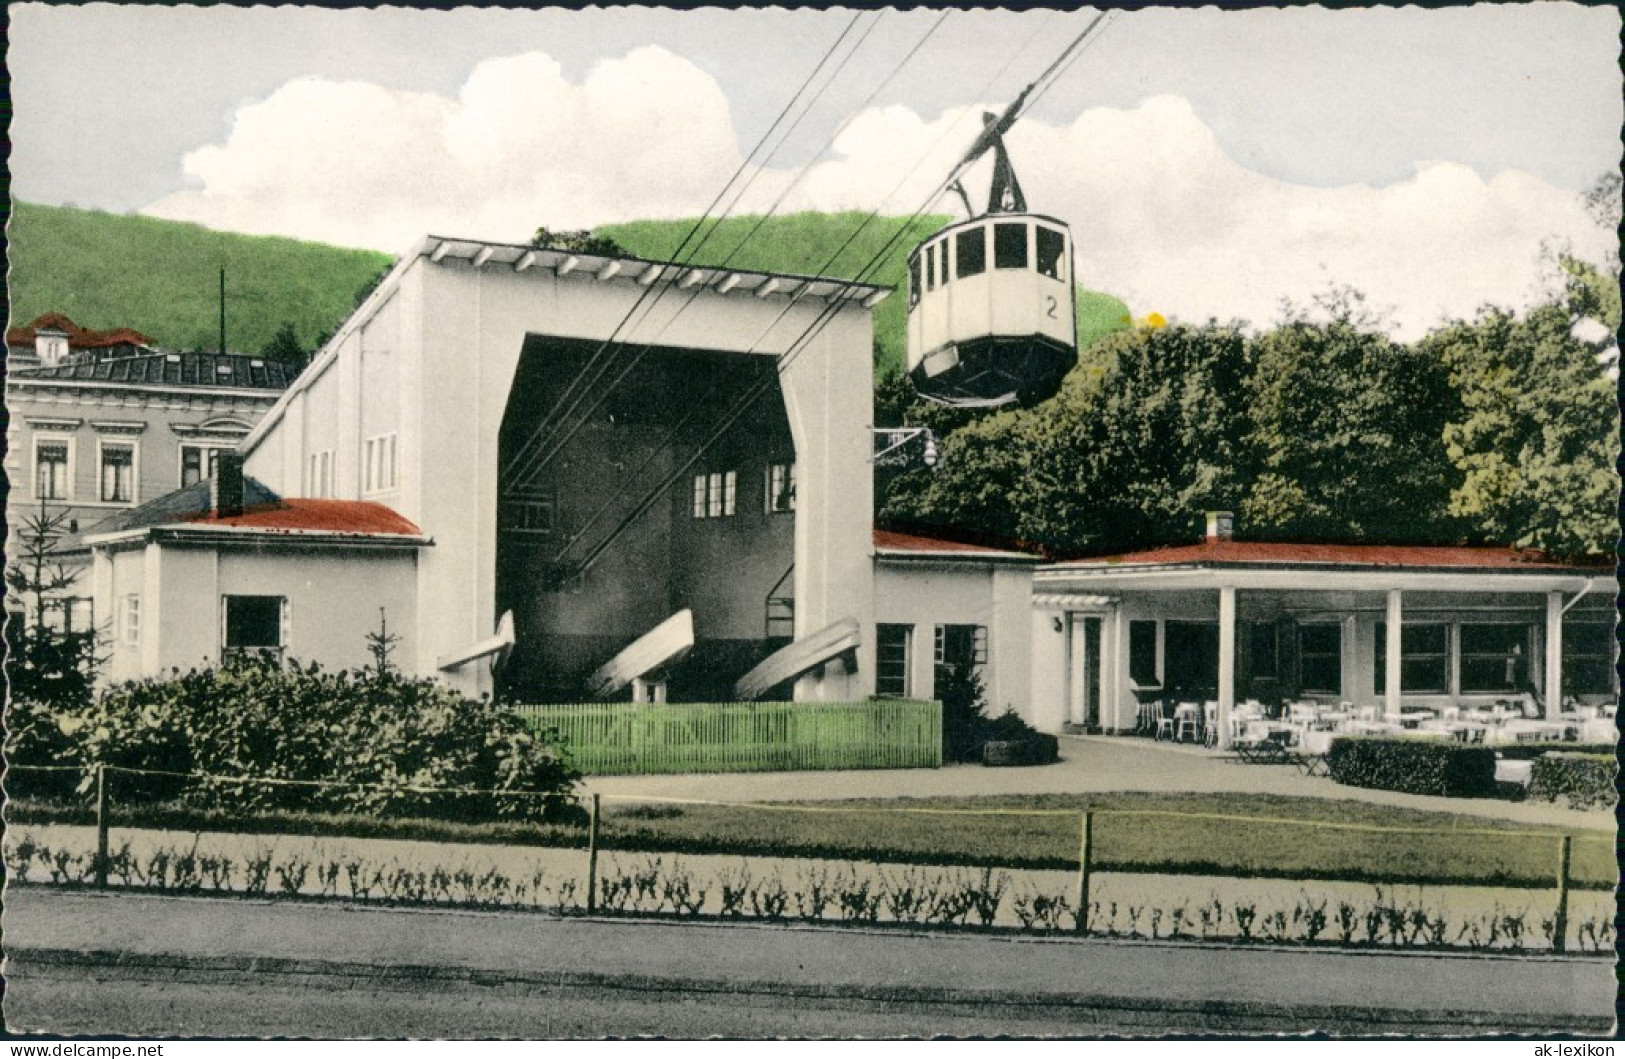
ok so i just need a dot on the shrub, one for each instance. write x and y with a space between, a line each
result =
382 739
968 734
1413 766
1585 780
1531 751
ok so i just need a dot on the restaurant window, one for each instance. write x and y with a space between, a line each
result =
1142 653
714 494
1009 246
118 472
1320 659
1424 659
781 488
970 252
1051 253
198 463
1588 658
891 659
1494 658
254 625
1263 650
52 463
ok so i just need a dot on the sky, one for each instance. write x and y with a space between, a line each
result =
1210 163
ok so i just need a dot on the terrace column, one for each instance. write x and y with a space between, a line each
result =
1554 655
1391 666
1227 663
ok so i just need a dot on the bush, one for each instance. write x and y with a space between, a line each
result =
1584 779
394 735
968 734
1531 751
1413 766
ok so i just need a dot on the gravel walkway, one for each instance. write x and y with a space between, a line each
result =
1088 764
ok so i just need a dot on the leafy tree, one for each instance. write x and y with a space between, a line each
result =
1346 431
1536 436
285 347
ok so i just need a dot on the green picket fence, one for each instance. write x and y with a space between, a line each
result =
623 738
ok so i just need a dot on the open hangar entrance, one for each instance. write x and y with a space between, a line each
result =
626 495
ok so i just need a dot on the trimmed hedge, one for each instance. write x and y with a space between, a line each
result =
1584 779
1531 751
1413 766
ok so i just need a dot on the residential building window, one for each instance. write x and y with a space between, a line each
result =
70 614
1320 659
198 463
1494 658
319 482
714 494
52 468
892 659
960 645
1588 658
254 625
1142 653
118 472
380 467
781 488
132 620
1424 659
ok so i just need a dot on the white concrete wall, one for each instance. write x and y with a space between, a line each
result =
928 594
455 346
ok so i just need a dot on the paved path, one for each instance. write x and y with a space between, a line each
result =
147 965
1088 764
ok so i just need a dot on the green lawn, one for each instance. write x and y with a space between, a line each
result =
1455 849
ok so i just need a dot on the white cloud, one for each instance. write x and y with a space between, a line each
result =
1161 216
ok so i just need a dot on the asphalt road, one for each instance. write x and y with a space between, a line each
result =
166 966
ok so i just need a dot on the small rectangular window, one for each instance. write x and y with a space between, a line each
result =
1588 658
132 620
730 482
913 281
931 267
715 494
891 659
960 645
198 463
118 473
51 470
942 261
700 493
1320 659
1009 245
970 252
253 625
781 488
1051 253
1494 658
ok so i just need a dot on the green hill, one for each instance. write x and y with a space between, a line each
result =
163 278
817 243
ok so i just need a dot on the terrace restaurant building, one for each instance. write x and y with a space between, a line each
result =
1384 634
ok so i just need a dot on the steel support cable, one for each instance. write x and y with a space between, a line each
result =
528 463
536 464
747 400
699 223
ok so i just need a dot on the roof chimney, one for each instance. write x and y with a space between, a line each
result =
1221 526
226 485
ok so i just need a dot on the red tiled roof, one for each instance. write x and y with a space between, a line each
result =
1230 552
885 540
360 517
78 337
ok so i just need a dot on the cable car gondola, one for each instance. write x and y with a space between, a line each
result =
991 316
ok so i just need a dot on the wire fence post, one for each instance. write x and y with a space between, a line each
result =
101 827
592 858
1560 924
1086 826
